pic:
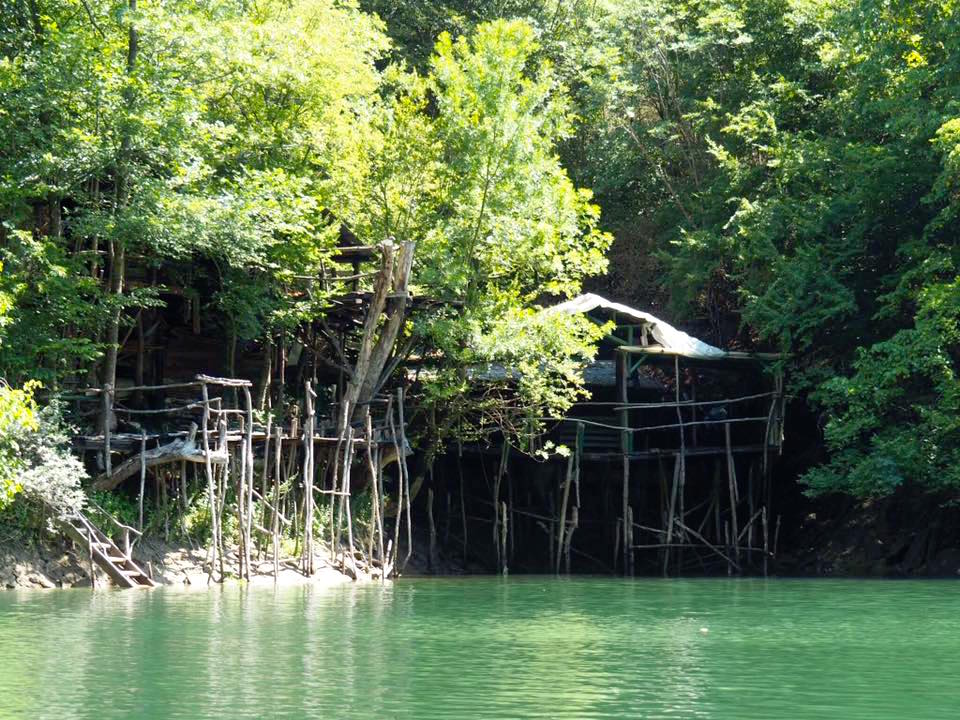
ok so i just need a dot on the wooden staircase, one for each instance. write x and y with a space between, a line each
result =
103 551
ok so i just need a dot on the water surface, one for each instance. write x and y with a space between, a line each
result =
488 648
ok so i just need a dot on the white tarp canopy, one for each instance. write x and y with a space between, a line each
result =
671 339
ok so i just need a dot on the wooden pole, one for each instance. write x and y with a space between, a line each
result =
776 538
431 558
406 474
107 415
574 523
93 569
562 517
347 468
622 386
275 527
223 448
395 544
750 506
463 502
683 453
766 543
211 495
381 510
308 500
335 481
732 479
241 479
503 538
670 518
184 499
143 478
616 544
248 499
265 480
376 521
726 536
504 455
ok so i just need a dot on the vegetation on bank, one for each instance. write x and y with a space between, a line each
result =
783 172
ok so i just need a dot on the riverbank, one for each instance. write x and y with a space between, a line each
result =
47 562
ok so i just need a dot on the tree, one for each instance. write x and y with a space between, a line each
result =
193 138
465 164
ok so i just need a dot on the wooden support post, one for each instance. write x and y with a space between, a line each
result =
574 524
463 502
208 466
275 526
308 499
750 511
726 536
510 507
503 538
381 510
406 475
431 558
376 521
265 480
241 478
347 470
552 499
247 499
616 543
562 517
93 569
143 478
682 458
501 471
395 544
734 500
335 483
670 517
575 512
184 499
221 503
776 538
766 542
623 395
107 396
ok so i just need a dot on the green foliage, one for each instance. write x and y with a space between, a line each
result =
790 166
107 505
897 418
35 453
197 520
213 148
795 163
18 419
464 162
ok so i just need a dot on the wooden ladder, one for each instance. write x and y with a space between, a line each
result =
104 552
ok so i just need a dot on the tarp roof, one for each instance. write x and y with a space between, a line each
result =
672 341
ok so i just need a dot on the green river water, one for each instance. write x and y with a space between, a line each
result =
488 648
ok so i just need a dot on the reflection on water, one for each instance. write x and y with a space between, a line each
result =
486 647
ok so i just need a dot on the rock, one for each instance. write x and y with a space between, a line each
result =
946 563
35 579
195 578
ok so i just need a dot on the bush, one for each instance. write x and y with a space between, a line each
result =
35 457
